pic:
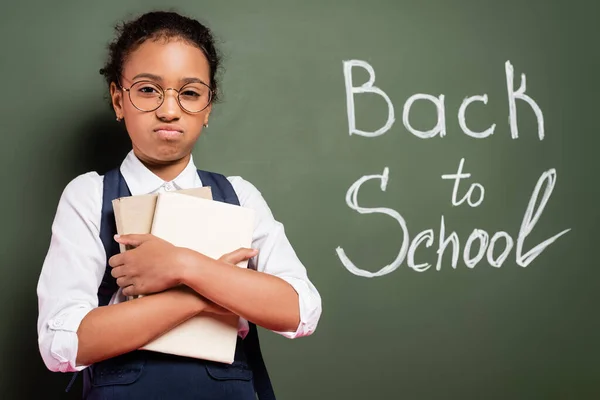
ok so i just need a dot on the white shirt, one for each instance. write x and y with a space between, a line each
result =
76 260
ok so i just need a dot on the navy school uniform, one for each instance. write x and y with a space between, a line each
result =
150 375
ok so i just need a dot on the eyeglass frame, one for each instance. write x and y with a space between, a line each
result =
164 91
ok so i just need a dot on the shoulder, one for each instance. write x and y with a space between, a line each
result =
84 184
84 191
249 195
243 188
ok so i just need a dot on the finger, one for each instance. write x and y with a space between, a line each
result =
214 308
116 260
239 255
217 309
134 240
129 291
124 281
134 288
117 272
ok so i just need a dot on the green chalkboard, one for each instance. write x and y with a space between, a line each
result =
299 119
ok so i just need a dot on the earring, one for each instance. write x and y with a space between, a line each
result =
118 119
205 125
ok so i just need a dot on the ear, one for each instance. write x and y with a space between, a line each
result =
116 95
208 110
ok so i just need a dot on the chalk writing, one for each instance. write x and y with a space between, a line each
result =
478 245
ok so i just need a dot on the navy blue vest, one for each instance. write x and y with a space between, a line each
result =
149 375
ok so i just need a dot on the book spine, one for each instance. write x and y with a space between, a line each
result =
118 221
156 217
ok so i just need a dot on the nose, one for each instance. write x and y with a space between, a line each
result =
169 109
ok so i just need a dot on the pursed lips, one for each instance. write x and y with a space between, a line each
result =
168 131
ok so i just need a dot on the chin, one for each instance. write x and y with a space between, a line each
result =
170 154
162 155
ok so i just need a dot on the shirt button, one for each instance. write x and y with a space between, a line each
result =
168 186
57 323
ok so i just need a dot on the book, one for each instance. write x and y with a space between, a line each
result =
134 214
212 228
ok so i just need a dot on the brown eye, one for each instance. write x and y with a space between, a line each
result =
146 96
146 89
191 94
194 97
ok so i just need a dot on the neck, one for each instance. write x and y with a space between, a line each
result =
166 170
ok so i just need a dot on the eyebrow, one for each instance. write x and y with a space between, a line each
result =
159 79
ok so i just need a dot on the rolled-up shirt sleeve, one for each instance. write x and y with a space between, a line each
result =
71 273
277 257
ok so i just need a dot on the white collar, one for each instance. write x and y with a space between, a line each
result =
141 180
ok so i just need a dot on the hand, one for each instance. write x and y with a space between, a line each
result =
214 308
233 258
153 265
239 255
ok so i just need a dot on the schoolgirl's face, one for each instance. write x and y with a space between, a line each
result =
169 132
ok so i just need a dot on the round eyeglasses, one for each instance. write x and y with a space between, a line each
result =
149 96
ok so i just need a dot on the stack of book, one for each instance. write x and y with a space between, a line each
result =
190 218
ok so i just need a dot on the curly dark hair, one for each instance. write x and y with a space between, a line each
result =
158 25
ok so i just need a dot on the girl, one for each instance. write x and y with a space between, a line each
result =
161 75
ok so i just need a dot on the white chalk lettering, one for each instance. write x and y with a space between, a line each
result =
462 119
548 177
427 234
453 238
367 87
439 128
502 257
478 245
457 177
512 104
352 201
483 237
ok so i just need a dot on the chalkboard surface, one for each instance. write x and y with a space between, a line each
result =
434 163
